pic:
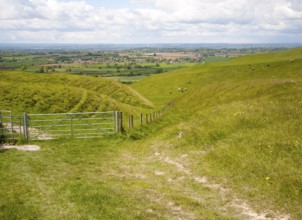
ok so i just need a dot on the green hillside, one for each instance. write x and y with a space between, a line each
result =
54 93
245 116
229 147
164 87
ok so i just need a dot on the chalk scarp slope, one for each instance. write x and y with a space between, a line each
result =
52 93
240 122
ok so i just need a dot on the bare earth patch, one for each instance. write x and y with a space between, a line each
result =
22 147
243 209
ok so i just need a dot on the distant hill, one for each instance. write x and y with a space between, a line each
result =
20 46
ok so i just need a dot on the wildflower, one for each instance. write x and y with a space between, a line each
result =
296 144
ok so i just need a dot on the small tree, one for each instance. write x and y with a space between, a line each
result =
23 67
41 70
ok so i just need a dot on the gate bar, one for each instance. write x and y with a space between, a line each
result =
25 126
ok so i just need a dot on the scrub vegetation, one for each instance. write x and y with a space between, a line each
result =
228 147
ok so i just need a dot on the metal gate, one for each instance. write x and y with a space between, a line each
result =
69 125
10 126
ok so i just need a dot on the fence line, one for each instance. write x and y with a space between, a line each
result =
74 125
147 118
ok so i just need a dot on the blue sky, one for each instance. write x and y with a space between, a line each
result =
151 21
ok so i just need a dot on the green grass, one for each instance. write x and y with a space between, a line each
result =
30 65
53 93
233 136
216 59
127 79
245 115
102 181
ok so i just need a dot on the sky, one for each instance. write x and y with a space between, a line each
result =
150 21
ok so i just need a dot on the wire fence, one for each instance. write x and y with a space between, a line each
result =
70 125
10 127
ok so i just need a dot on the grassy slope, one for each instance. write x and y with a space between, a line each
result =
103 179
245 115
233 136
164 87
44 93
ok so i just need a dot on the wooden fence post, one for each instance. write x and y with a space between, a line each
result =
130 121
71 124
141 118
117 127
147 119
121 129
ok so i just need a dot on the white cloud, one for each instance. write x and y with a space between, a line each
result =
76 21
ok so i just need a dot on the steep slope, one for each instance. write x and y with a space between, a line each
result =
44 93
240 122
164 87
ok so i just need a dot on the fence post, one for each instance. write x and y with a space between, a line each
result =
141 118
71 125
147 119
20 127
11 124
131 119
117 122
121 122
0 117
25 127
